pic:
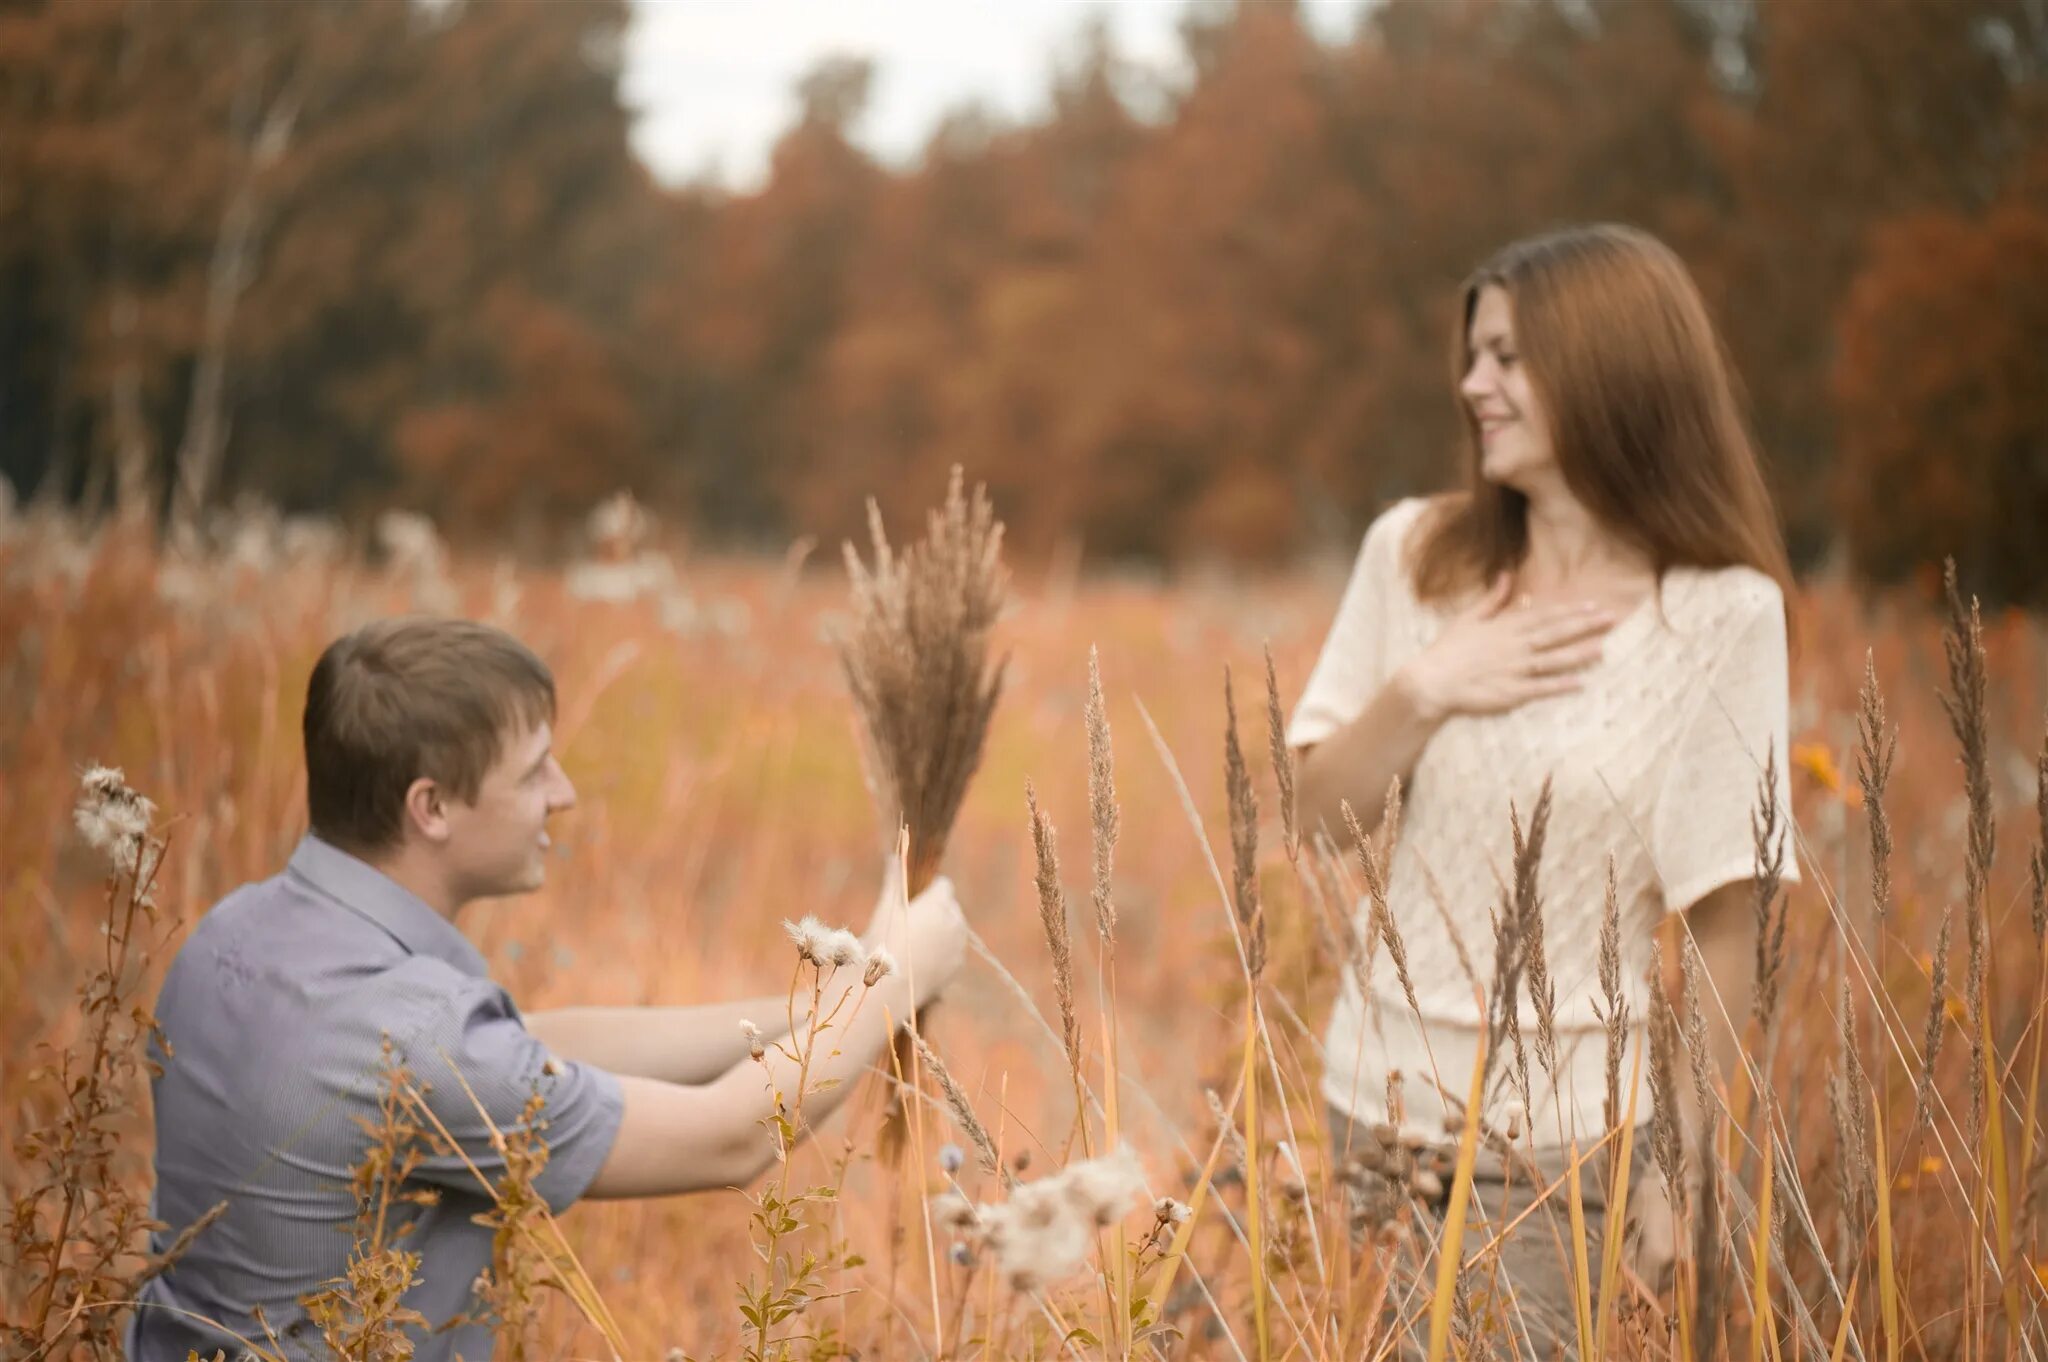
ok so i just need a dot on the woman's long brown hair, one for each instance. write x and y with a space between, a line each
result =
1640 402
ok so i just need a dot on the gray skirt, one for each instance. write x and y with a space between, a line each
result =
1517 1244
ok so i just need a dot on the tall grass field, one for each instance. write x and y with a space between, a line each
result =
1115 1144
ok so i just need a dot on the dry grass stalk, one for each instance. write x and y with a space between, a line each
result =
2037 905
1613 1009
1335 922
1963 643
1849 1097
1708 1240
1052 912
1877 745
510 1290
1769 837
1519 920
1937 1005
963 1111
361 1314
76 1214
2038 866
1667 1122
1244 842
1227 1131
1382 919
918 663
1102 809
1283 760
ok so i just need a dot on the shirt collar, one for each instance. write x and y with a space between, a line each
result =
369 893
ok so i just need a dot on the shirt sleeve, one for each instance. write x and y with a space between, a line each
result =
478 1066
1702 834
1356 658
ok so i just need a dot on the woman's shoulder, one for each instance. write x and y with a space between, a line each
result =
1699 600
1388 554
1393 530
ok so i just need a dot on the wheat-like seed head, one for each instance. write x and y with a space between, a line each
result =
962 1109
1666 1121
1848 1103
1283 760
1937 1004
1052 913
1102 808
1614 1011
1877 745
917 662
1382 919
1963 643
1244 841
1767 903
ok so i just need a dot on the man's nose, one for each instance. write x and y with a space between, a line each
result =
564 791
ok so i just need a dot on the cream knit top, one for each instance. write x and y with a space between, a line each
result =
1656 763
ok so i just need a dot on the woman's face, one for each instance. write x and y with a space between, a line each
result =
1514 440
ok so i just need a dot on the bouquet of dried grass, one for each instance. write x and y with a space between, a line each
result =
917 662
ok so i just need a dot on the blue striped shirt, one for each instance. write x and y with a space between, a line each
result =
276 1010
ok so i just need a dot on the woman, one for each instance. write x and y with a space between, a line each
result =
1602 607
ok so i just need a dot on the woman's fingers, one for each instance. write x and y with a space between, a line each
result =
1561 661
1544 687
1566 625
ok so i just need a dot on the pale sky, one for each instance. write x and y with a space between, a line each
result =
712 79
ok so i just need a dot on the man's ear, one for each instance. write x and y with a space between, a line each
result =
426 810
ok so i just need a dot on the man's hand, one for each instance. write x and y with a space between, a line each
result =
927 936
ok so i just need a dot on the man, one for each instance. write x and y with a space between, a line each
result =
430 780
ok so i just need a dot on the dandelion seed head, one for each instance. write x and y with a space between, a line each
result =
951 1157
881 965
112 818
812 939
954 1212
1104 1189
843 948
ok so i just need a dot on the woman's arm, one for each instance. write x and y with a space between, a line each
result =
1723 930
1356 764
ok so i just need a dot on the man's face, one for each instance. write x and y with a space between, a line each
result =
498 845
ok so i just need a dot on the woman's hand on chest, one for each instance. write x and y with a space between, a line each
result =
1491 658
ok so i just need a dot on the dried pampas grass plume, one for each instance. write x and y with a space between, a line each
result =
917 661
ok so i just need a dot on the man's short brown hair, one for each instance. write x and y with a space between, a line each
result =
405 698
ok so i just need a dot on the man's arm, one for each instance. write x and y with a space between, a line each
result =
671 1044
684 1137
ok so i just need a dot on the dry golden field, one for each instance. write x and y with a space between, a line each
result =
708 732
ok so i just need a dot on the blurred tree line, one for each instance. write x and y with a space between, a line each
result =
340 253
